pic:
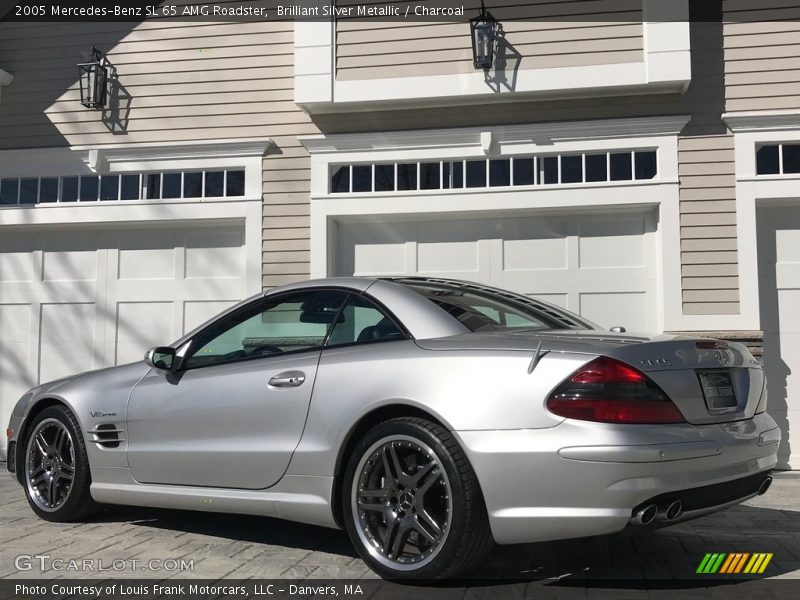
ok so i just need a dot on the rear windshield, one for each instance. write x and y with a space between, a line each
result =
487 309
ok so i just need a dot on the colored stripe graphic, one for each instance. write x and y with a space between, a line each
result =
715 567
703 563
742 559
734 563
726 566
759 562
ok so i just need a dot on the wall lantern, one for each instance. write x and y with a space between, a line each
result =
93 78
484 30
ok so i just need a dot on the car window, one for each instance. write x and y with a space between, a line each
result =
288 324
487 309
362 322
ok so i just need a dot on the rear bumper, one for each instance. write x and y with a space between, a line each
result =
580 479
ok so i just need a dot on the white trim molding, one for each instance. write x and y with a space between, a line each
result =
665 67
84 160
6 79
661 194
752 129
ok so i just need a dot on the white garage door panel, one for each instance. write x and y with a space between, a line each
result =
67 339
603 266
779 282
80 299
140 325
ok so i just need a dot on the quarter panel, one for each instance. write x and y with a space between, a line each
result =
465 390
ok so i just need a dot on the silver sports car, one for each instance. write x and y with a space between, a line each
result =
429 418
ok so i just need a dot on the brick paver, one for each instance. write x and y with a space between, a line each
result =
245 546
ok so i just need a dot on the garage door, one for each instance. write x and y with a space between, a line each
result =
72 300
779 286
602 266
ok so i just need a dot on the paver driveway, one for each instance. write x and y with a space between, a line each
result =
211 546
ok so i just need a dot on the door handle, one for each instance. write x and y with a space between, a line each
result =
288 379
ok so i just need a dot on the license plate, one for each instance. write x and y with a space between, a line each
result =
717 389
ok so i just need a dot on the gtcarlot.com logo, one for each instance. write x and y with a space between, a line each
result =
734 563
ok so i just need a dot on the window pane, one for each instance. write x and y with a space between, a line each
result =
407 176
340 180
429 176
214 184
131 187
548 169
500 172
484 310
596 167
193 185
9 188
90 188
48 190
767 162
458 174
153 183
791 158
621 169
29 191
384 178
476 173
362 178
571 169
109 187
69 189
523 171
361 322
646 167
234 184
291 323
172 185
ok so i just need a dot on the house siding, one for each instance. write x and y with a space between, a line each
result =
187 82
762 68
386 50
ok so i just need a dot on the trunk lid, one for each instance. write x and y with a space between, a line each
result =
709 381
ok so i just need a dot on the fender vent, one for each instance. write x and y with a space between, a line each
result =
107 435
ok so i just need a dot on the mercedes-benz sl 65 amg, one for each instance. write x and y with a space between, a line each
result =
429 418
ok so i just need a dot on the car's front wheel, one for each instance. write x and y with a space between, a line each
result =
412 504
56 469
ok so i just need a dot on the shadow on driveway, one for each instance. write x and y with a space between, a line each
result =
632 559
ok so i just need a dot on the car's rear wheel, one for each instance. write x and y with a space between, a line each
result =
56 469
412 504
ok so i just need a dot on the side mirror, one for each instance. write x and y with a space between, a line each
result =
618 330
160 357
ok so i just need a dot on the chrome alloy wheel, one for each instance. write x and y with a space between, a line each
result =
50 464
402 503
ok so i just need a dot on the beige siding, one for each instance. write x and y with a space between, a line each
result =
186 81
539 34
762 68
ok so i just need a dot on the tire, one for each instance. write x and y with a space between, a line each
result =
426 520
55 468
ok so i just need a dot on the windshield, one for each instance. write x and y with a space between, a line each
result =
482 308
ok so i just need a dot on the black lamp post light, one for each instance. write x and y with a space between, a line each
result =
484 29
93 78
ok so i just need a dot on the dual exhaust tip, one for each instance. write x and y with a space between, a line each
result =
650 512
673 509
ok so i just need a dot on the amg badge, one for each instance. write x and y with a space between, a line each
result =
100 413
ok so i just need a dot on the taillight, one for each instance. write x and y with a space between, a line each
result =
762 403
609 391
